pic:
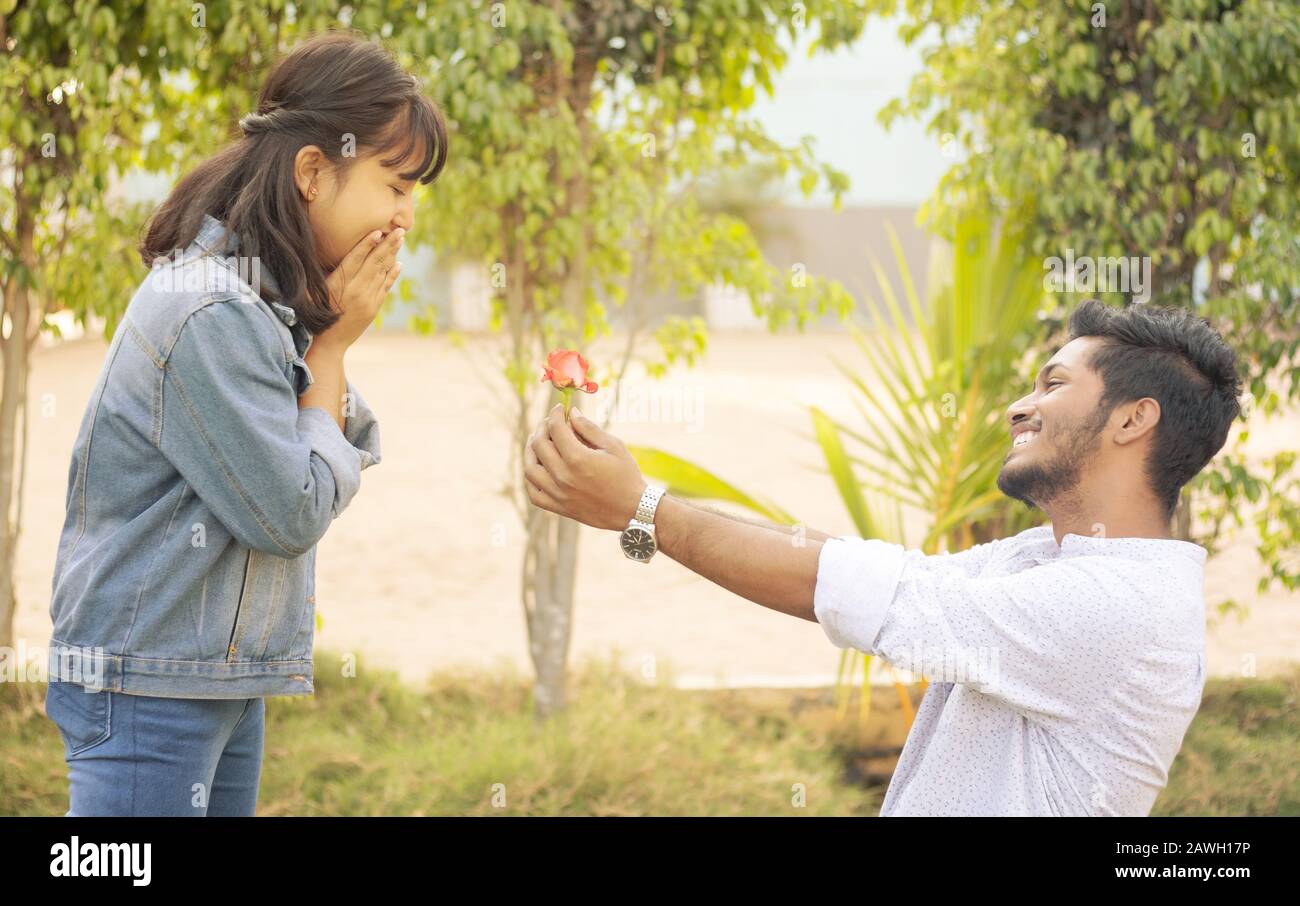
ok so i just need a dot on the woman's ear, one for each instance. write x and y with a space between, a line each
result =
307 166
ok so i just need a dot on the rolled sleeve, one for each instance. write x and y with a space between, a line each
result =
856 579
345 462
360 427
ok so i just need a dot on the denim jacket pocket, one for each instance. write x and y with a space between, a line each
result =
261 601
241 613
84 718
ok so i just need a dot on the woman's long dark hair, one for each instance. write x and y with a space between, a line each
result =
335 84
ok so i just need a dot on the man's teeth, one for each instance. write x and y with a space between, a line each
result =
1024 438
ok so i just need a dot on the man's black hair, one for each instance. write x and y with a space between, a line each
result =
1177 359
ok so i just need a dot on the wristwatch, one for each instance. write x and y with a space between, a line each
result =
638 539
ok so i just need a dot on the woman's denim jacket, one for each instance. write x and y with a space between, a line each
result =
198 490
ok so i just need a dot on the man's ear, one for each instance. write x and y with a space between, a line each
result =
1138 419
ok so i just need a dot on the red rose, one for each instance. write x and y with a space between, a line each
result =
566 369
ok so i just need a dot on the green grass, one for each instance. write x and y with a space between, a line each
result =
370 745
1241 755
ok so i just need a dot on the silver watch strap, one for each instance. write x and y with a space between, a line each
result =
645 510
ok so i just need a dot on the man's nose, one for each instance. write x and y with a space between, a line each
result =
1019 410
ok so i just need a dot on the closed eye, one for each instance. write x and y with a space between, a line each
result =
397 190
1050 384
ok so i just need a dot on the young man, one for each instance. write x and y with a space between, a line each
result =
1080 646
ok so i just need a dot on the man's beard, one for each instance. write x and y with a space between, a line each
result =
1041 483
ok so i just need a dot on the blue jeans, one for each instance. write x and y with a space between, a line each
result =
142 755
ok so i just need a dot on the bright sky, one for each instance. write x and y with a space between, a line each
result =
835 98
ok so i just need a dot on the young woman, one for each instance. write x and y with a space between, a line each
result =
223 437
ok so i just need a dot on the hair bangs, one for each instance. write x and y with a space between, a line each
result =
420 136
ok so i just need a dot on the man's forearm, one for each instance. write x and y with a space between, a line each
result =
790 531
774 568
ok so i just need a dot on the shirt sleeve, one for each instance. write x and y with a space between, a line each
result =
273 474
970 561
1044 640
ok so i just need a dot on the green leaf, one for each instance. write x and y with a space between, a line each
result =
689 480
841 470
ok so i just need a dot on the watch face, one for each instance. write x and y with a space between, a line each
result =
637 543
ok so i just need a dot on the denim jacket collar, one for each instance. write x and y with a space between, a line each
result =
215 239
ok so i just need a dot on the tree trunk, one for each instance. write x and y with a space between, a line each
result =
13 392
549 575
548 585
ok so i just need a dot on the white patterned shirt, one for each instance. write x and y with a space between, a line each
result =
1062 677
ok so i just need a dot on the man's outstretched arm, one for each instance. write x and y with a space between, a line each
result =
587 474
797 531
767 567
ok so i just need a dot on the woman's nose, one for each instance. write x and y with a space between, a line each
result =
405 217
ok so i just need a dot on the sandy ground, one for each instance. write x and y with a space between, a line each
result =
422 571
